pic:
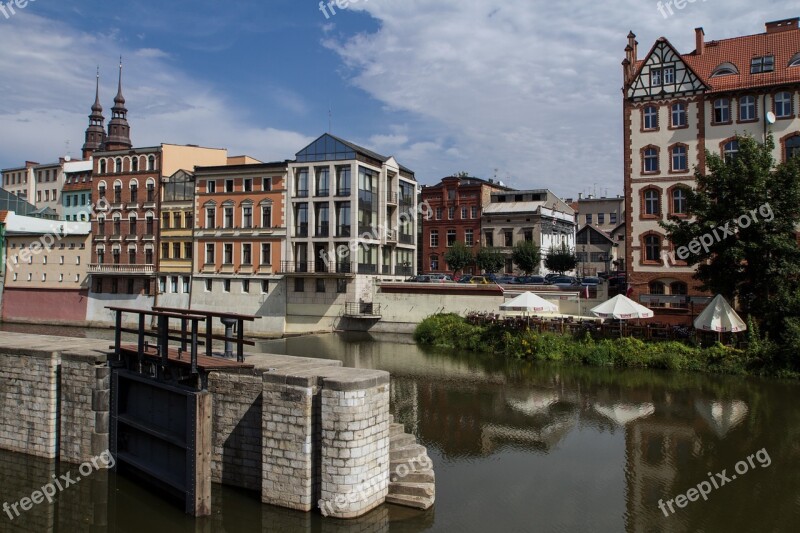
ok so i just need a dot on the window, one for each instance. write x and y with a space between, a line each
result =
226 285
650 117
67 199
651 202
173 284
265 286
601 218
245 286
266 184
747 108
730 150
656 287
185 283
176 220
762 64
130 286
210 254
434 262
165 221
474 212
162 285
451 213
508 238
434 238
210 218
248 185
135 164
164 250
451 237
341 286
78 260
132 225
247 254
669 75
679 288
489 238
792 147
134 193
652 248
469 237
118 165
148 256
132 256
247 216
266 253
299 284
61 260
320 283
651 160
187 250
227 250
343 181
678 115
209 285
176 250
44 260
322 185
722 111
655 77
301 183
588 218
228 185
151 162
438 213
211 186
679 158
228 217
679 199
783 105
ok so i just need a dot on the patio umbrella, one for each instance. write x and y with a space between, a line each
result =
721 416
719 316
622 308
529 302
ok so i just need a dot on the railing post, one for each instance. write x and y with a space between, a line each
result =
140 346
163 338
240 341
184 327
118 332
194 345
209 318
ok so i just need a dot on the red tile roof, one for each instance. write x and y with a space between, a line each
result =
783 45
3 215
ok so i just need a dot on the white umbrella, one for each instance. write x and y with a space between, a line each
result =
719 316
529 302
625 413
722 416
623 308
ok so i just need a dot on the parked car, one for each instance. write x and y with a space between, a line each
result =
505 279
551 276
591 281
465 278
480 280
530 280
565 281
422 278
440 278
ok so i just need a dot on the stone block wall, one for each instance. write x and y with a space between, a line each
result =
29 400
85 402
355 446
236 436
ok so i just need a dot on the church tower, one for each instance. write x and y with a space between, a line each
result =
119 132
95 133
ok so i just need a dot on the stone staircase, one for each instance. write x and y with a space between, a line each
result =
412 482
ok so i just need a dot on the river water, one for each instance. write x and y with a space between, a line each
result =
515 446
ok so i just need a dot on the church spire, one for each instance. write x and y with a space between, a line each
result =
119 132
95 133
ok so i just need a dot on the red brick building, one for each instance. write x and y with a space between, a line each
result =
456 205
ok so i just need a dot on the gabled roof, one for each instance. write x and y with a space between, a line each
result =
686 80
589 227
328 147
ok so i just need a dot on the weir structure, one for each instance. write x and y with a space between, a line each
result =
301 432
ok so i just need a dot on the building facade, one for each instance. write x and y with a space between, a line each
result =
240 240
600 241
537 216
76 195
454 207
351 218
176 240
677 106
20 181
45 270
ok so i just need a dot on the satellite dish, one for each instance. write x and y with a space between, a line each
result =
771 117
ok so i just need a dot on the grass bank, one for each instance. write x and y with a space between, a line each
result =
453 331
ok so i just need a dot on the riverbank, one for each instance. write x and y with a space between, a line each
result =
453 331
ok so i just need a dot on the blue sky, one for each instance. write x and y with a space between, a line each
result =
525 90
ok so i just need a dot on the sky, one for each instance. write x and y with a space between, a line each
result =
525 91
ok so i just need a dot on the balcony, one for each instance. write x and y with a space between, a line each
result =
391 235
403 271
391 197
97 268
366 268
406 239
315 267
367 310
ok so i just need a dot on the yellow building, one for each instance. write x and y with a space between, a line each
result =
177 223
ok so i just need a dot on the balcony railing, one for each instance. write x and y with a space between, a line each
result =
386 269
315 267
406 239
97 268
323 192
301 193
403 271
343 231
362 309
365 268
391 235
343 192
391 197
322 231
301 230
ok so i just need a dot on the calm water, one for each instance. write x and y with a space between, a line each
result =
516 447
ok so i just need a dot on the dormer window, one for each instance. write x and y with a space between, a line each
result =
795 61
762 64
725 69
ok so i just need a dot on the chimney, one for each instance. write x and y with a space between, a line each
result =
779 26
700 43
580 196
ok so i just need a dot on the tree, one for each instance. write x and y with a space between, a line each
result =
490 260
458 256
527 256
742 234
560 259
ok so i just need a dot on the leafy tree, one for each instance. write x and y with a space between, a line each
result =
458 256
527 256
560 259
490 260
742 234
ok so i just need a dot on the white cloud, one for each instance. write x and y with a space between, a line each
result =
528 87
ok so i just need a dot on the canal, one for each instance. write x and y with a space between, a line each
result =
516 447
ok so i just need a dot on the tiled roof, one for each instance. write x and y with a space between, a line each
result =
3 215
784 46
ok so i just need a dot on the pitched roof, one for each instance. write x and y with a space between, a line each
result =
3 215
783 45
359 149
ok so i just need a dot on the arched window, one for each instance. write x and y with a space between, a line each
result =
118 165
151 190
102 166
101 225
679 198
134 185
135 164
730 150
722 111
101 189
679 158
678 115
679 288
117 192
651 202
651 160
652 248
650 115
795 60
101 254
792 147
747 108
151 162
783 104
725 69
656 287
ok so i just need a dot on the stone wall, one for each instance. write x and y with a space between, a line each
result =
236 436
